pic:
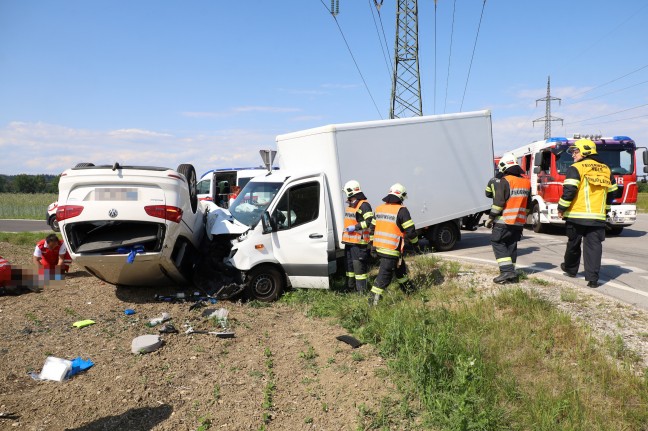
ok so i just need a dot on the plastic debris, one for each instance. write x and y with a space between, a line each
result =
54 369
83 323
156 321
353 342
79 365
129 311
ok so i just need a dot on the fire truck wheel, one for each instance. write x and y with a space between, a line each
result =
444 237
265 283
537 225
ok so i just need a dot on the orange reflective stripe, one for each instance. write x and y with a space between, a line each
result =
356 237
387 234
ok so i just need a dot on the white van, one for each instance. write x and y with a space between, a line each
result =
221 186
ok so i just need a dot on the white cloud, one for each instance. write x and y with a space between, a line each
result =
239 110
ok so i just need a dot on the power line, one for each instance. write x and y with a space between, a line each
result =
382 48
607 115
445 103
606 94
615 121
353 57
473 55
609 82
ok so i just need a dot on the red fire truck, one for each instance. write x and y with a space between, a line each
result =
546 164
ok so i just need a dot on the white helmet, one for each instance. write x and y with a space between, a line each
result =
351 188
398 190
507 160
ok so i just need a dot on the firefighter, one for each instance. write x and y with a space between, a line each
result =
588 191
392 225
356 236
511 201
51 256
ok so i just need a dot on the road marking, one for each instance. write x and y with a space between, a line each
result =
634 269
553 271
612 262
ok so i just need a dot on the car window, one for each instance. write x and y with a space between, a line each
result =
203 187
298 206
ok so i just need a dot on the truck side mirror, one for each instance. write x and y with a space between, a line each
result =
646 169
268 224
645 158
536 169
537 160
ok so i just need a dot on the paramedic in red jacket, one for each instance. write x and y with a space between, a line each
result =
51 253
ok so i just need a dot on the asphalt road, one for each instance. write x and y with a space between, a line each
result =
624 266
24 226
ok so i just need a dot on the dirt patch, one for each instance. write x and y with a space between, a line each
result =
282 370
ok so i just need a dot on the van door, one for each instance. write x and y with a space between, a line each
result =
300 241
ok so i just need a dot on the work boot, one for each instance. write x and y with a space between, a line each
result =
407 288
506 277
361 286
374 298
593 284
567 273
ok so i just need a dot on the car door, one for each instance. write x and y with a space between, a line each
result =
300 241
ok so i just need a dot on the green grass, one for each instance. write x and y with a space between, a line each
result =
511 361
25 205
23 238
642 202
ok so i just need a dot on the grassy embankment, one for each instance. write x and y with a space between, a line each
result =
25 205
642 202
474 361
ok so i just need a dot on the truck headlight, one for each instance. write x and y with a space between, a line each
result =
631 212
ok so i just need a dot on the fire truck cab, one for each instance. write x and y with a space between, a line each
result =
546 164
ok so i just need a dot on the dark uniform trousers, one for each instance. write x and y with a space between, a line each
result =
390 267
592 238
504 239
357 262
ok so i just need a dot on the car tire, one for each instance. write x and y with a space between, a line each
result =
190 174
53 223
444 237
614 230
265 283
84 165
536 224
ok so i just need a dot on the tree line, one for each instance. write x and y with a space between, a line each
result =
24 183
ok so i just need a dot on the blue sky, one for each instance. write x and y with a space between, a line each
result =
211 82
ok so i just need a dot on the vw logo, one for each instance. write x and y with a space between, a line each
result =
112 213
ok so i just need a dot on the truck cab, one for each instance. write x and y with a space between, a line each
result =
221 186
547 162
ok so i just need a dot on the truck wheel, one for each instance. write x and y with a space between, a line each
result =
445 236
536 224
84 165
616 230
190 174
54 223
264 283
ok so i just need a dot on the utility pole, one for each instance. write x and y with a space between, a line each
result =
548 118
406 81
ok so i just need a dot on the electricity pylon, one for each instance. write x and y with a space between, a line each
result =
548 118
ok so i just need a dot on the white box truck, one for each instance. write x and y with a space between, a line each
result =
294 216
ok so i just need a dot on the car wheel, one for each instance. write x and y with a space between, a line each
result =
444 237
614 230
84 165
54 223
536 224
190 174
265 283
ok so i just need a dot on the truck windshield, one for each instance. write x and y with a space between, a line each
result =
620 159
253 201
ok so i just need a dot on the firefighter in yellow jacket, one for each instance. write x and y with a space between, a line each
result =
392 225
356 236
588 191
511 201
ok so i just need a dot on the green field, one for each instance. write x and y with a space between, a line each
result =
25 205
642 202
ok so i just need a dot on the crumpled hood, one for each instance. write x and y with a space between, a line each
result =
221 222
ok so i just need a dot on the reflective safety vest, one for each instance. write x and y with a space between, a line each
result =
593 188
388 237
50 256
358 236
515 210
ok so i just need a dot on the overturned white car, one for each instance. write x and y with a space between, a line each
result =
132 225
